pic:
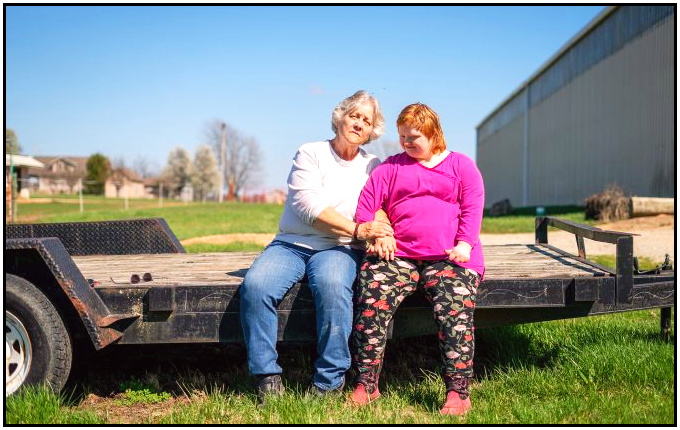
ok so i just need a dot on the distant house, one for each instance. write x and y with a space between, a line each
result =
124 182
276 196
158 186
21 164
59 175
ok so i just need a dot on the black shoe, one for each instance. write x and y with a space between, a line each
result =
320 392
268 386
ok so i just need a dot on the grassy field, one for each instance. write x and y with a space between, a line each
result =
185 220
205 219
609 369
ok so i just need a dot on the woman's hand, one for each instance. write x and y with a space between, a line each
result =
460 253
384 247
373 230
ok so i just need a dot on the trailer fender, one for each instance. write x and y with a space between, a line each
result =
97 320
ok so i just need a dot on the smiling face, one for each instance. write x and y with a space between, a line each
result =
356 126
415 143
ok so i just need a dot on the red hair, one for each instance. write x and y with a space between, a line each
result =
426 121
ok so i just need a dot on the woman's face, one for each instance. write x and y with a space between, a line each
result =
356 126
414 143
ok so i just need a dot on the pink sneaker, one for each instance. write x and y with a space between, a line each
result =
455 405
362 397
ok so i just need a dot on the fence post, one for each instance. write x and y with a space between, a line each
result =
80 193
125 186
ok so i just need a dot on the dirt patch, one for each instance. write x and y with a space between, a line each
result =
262 239
656 238
109 409
632 225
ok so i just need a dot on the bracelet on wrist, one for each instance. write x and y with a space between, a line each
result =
355 235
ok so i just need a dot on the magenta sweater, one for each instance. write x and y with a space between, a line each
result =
430 209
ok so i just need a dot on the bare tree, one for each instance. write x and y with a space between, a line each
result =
205 173
144 167
119 163
243 157
178 171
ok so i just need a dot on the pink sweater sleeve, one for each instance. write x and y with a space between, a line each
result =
471 202
373 195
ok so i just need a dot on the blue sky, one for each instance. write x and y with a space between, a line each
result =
138 81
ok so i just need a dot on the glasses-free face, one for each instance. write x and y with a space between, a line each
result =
416 144
356 126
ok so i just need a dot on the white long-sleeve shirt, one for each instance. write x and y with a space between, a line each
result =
318 179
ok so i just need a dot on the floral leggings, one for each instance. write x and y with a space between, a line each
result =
383 285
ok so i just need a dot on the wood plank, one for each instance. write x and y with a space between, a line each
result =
223 268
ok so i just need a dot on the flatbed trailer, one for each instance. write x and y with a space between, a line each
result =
131 282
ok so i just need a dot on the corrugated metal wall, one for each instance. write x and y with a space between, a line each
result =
603 112
499 158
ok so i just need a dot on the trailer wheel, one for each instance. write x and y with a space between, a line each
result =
37 345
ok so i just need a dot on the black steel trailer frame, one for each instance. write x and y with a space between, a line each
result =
44 255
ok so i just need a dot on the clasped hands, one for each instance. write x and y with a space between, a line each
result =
385 246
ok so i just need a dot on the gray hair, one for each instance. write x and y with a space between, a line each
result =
351 103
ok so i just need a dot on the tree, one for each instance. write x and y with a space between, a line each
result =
243 157
118 163
177 173
205 174
98 169
11 142
144 168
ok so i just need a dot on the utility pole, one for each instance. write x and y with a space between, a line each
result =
223 159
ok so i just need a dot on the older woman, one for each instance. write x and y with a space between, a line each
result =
317 237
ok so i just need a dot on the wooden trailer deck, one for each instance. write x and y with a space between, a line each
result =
194 296
506 262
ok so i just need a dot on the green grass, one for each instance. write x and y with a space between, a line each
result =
137 391
522 220
145 396
608 369
39 405
185 220
204 219
197 248
610 261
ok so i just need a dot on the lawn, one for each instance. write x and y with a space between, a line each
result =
186 220
609 369
204 219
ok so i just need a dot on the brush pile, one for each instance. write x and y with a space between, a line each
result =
610 205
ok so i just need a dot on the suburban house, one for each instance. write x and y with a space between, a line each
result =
65 174
123 182
21 165
60 175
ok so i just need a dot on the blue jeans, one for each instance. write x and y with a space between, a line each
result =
331 274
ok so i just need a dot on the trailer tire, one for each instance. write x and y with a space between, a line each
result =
37 345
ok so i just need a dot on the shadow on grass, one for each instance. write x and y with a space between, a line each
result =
180 369
409 362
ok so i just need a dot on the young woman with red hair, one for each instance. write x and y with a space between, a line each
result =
434 199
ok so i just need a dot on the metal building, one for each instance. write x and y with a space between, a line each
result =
600 111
